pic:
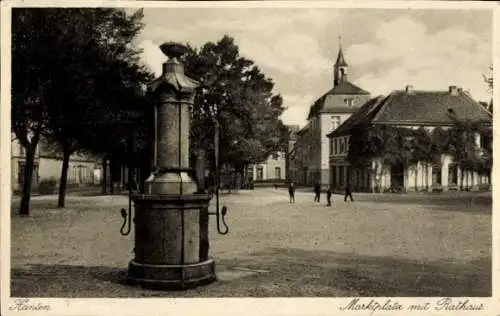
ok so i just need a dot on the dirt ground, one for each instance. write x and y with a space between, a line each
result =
378 245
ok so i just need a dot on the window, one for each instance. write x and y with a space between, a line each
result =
335 122
72 175
342 145
349 101
277 173
331 146
485 142
336 146
250 172
436 174
260 173
341 175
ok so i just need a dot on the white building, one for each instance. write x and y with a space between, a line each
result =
409 109
273 168
311 150
82 170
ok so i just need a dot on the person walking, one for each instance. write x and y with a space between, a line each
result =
317 191
291 192
329 196
348 191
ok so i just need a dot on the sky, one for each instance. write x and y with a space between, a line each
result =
386 49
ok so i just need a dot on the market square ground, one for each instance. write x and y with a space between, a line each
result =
380 245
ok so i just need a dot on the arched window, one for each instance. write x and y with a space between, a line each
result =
277 173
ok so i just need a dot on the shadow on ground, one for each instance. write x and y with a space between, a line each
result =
280 273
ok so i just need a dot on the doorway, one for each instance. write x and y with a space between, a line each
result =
397 175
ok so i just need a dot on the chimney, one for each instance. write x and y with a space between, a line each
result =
460 90
453 90
409 89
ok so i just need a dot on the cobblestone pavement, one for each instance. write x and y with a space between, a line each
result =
379 245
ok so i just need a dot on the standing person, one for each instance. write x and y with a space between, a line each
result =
329 196
317 191
291 192
348 191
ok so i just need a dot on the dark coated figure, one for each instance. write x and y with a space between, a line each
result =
348 192
291 192
329 197
317 192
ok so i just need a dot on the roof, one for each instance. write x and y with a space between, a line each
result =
429 107
303 130
346 87
417 108
364 113
326 104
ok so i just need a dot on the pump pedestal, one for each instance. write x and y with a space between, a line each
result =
171 248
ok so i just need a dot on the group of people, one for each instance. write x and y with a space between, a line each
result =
317 192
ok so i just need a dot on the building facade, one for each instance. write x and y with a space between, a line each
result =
311 150
273 168
81 171
412 110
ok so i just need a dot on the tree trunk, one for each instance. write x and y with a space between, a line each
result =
104 176
63 181
112 176
24 209
462 173
244 179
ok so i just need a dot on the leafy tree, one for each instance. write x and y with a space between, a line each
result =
234 92
31 80
80 69
376 148
462 146
422 152
489 81
369 149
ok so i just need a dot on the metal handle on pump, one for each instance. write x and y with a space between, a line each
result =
124 214
220 215
127 218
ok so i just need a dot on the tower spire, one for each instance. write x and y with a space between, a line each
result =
340 57
340 67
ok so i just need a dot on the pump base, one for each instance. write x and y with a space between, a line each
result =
171 277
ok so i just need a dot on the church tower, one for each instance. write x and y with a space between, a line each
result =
340 68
